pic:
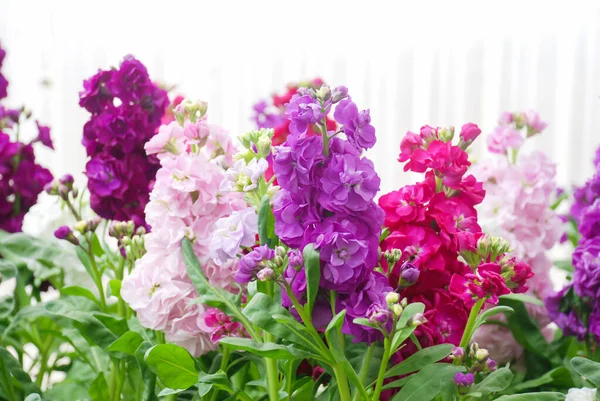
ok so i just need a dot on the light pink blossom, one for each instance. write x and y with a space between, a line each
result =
232 232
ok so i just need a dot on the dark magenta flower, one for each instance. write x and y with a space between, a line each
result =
44 135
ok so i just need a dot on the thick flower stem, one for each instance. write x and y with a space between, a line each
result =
342 382
387 345
468 333
364 369
223 367
271 364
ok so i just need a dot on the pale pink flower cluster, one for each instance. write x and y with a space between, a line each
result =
186 202
519 193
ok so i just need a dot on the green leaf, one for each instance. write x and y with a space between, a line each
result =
526 330
410 310
266 223
495 382
148 375
486 314
11 369
420 359
522 298
261 309
36 254
566 265
114 288
266 350
366 322
542 396
556 377
128 343
588 369
173 365
209 295
7 305
333 334
79 292
87 324
426 384
312 265
94 356
99 389
33 397
7 269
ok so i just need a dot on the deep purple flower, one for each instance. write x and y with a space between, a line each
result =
409 274
349 183
589 225
586 260
103 179
568 321
303 110
44 135
296 161
252 262
585 196
2 55
95 96
368 301
3 87
464 379
356 125
131 81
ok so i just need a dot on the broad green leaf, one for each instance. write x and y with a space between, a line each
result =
99 388
526 330
410 310
523 298
79 292
7 269
588 369
115 324
94 356
267 350
495 382
333 334
87 324
260 311
173 365
11 369
420 359
426 384
542 396
128 343
266 223
486 314
148 376
36 254
7 305
312 268
560 377
134 325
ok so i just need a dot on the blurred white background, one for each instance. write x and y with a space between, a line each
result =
412 63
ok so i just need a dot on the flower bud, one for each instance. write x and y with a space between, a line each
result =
67 180
277 261
397 309
473 348
464 379
491 365
63 192
446 134
280 251
130 227
265 274
404 302
392 298
263 145
392 256
324 93
409 274
482 354
458 353
80 226
339 93
378 316
74 192
202 108
51 188
65 232
417 320
140 230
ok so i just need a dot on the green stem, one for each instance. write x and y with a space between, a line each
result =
325 137
121 306
43 361
364 369
97 278
160 337
171 397
288 380
120 374
223 367
271 363
342 382
387 345
468 333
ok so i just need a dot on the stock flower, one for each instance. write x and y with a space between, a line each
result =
303 110
469 132
292 216
567 321
44 135
294 164
356 125
464 379
504 138
114 138
589 225
535 125
251 262
348 183
232 232
244 176
586 260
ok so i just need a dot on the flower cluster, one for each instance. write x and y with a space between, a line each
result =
433 226
21 178
576 309
126 109
476 360
326 199
520 191
186 201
